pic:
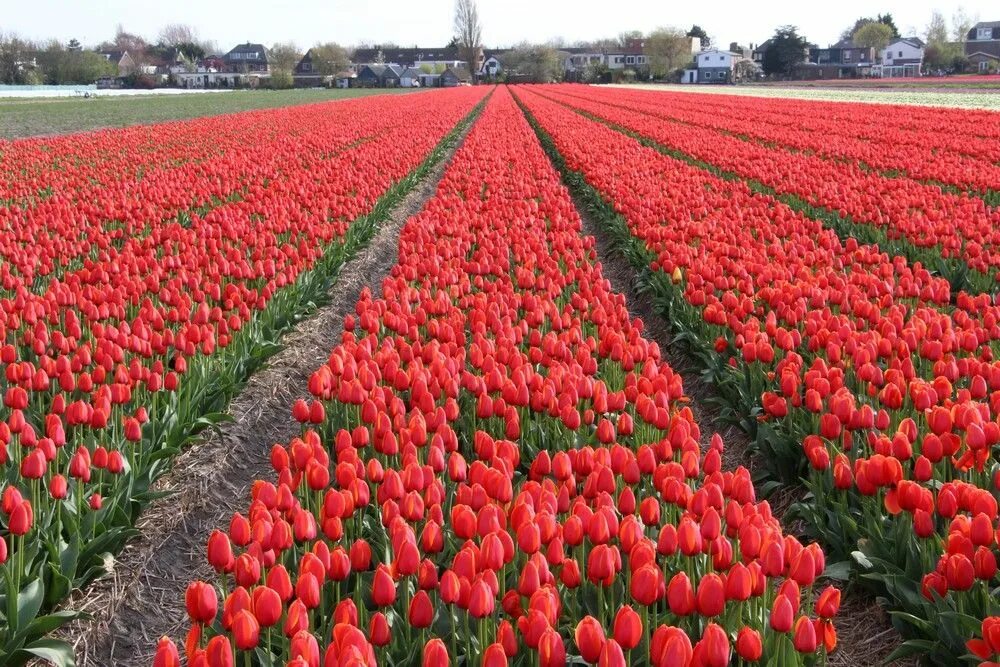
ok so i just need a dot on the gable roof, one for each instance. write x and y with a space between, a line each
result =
406 56
461 73
248 51
114 56
915 42
394 70
411 72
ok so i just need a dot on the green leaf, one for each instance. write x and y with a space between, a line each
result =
29 601
57 653
43 625
841 571
911 647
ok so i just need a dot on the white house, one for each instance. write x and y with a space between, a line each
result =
903 57
713 66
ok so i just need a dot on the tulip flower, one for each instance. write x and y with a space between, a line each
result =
166 654
435 654
590 638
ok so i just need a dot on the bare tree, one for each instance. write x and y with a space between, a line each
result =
961 24
178 33
469 32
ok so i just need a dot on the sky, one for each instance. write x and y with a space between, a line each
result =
429 22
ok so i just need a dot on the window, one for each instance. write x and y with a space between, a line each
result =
722 57
984 33
984 67
847 56
630 60
900 54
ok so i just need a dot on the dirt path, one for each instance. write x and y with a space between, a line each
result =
143 597
866 634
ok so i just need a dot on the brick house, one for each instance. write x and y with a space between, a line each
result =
982 47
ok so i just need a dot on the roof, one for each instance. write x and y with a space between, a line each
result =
915 42
406 56
113 55
721 51
987 24
461 73
248 48
411 72
395 69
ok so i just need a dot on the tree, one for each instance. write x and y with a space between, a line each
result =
538 63
698 31
941 53
127 41
63 66
176 34
746 70
627 37
961 24
667 49
469 32
329 59
74 45
16 63
936 31
873 35
787 50
285 56
884 19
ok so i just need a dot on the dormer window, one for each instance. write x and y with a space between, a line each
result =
984 33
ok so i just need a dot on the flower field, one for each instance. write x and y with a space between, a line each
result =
145 275
496 464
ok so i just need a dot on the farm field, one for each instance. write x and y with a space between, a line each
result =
512 346
979 96
47 116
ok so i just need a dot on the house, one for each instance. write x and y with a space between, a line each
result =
430 80
714 66
843 60
456 76
344 79
631 56
758 54
902 57
122 60
248 58
305 66
410 77
492 65
391 76
412 57
982 47
369 76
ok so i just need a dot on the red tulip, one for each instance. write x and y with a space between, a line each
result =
589 638
435 654
166 654
749 645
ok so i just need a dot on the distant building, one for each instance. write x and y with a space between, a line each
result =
982 47
455 76
248 58
122 60
901 58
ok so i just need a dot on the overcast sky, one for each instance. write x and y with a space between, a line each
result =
429 22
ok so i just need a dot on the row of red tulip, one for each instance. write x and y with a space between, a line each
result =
956 226
189 169
817 339
94 166
961 156
109 368
497 468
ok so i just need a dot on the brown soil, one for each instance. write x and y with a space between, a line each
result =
143 597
